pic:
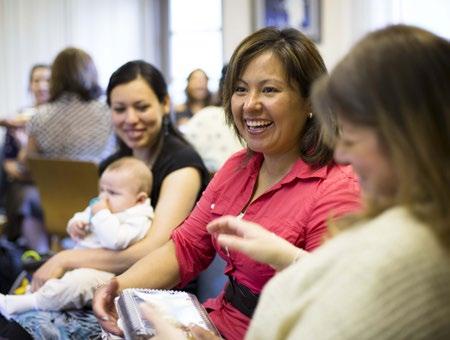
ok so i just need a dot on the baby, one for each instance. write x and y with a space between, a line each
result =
120 216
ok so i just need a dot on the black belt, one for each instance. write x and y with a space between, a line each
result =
241 297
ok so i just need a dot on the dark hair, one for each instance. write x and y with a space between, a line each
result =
302 64
74 71
154 79
189 99
396 82
134 69
34 68
223 73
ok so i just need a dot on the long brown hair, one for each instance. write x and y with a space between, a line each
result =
396 81
302 63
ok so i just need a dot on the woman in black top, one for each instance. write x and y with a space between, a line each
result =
139 101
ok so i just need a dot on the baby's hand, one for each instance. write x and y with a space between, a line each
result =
99 205
78 229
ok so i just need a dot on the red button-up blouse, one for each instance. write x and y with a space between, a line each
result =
296 208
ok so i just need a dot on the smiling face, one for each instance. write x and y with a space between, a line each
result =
269 113
359 146
119 189
39 84
137 114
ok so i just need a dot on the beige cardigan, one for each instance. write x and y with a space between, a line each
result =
386 279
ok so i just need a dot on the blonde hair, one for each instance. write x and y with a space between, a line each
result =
396 81
139 171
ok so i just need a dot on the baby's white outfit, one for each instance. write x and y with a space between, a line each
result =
76 288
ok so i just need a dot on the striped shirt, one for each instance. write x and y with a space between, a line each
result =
70 128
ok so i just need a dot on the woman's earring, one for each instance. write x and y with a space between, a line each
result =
310 115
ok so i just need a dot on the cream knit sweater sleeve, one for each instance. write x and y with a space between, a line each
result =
388 279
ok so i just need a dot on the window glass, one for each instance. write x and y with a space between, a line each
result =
195 41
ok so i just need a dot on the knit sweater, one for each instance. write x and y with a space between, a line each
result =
388 278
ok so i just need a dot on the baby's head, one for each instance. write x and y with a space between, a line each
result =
125 183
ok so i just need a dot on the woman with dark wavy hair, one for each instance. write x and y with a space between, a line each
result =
138 97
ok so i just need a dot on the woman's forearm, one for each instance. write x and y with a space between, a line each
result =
159 269
114 261
177 197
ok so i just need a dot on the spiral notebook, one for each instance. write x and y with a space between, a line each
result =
181 308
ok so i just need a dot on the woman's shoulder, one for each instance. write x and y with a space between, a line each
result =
340 172
238 158
393 238
42 114
235 166
336 178
177 154
180 107
176 147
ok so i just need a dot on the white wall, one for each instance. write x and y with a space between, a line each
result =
237 23
32 31
115 31
344 21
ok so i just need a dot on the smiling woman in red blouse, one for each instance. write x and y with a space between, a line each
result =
285 181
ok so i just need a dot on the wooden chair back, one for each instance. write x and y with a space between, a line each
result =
65 187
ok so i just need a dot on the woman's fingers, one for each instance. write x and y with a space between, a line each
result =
203 334
163 328
104 308
226 225
235 243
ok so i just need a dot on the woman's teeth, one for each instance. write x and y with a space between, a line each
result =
258 125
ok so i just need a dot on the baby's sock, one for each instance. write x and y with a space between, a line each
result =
11 304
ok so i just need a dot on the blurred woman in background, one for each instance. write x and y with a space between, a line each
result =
198 96
14 179
74 124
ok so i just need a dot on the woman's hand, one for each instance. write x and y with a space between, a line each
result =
254 241
13 169
77 229
104 307
166 330
163 328
53 268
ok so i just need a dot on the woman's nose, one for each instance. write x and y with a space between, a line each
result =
252 102
44 85
131 116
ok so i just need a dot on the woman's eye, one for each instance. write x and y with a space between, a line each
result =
119 109
269 89
239 89
143 108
